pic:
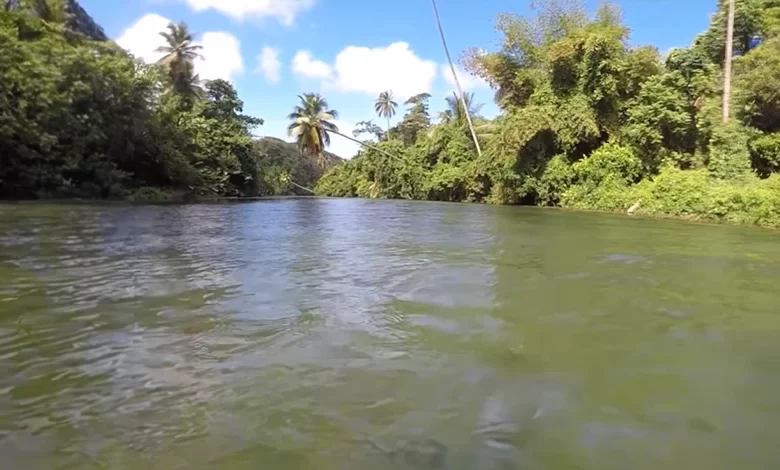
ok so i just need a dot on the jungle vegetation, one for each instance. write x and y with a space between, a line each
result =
588 121
81 118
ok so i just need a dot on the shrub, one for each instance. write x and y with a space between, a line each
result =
603 180
765 153
149 194
729 153
557 177
610 162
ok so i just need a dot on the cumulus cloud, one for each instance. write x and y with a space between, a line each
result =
143 38
306 66
221 51
269 65
284 11
222 57
467 81
372 70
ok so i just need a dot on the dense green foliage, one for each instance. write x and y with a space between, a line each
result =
311 124
587 121
82 118
282 162
590 122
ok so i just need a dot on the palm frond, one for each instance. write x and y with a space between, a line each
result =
312 123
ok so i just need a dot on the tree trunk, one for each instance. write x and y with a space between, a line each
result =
727 63
301 187
387 134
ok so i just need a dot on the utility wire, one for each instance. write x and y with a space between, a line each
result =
455 77
366 145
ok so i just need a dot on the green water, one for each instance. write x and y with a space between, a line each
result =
350 334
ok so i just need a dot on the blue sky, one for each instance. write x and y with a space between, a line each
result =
349 50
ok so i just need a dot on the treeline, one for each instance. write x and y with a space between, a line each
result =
83 118
590 122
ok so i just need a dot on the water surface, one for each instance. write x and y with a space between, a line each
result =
352 334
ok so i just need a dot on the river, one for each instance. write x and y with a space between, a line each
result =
352 334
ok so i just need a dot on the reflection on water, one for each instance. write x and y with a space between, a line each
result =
365 334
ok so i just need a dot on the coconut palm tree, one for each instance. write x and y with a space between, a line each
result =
187 84
180 47
311 124
385 107
455 108
180 54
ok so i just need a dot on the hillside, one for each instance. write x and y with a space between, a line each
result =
82 120
277 156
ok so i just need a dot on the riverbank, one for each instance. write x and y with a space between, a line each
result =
648 208
692 195
606 186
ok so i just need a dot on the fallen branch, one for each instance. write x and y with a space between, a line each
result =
299 186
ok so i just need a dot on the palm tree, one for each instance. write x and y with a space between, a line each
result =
188 84
180 54
456 107
385 107
180 47
311 124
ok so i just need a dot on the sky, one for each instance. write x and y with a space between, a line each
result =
351 50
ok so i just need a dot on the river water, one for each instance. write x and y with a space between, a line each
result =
353 334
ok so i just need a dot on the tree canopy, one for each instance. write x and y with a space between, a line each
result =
587 120
96 123
590 121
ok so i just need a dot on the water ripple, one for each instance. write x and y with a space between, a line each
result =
354 334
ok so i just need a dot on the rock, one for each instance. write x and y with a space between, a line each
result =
633 208
78 19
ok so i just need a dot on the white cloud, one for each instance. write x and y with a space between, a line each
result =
222 57
372 70
283 10
303 64
143 38
221 51
467 80
268 64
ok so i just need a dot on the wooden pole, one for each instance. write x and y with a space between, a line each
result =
455 78
727 63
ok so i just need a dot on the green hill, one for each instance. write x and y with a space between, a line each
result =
275 157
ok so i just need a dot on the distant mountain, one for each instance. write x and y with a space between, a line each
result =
77 19
276 156
280 145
